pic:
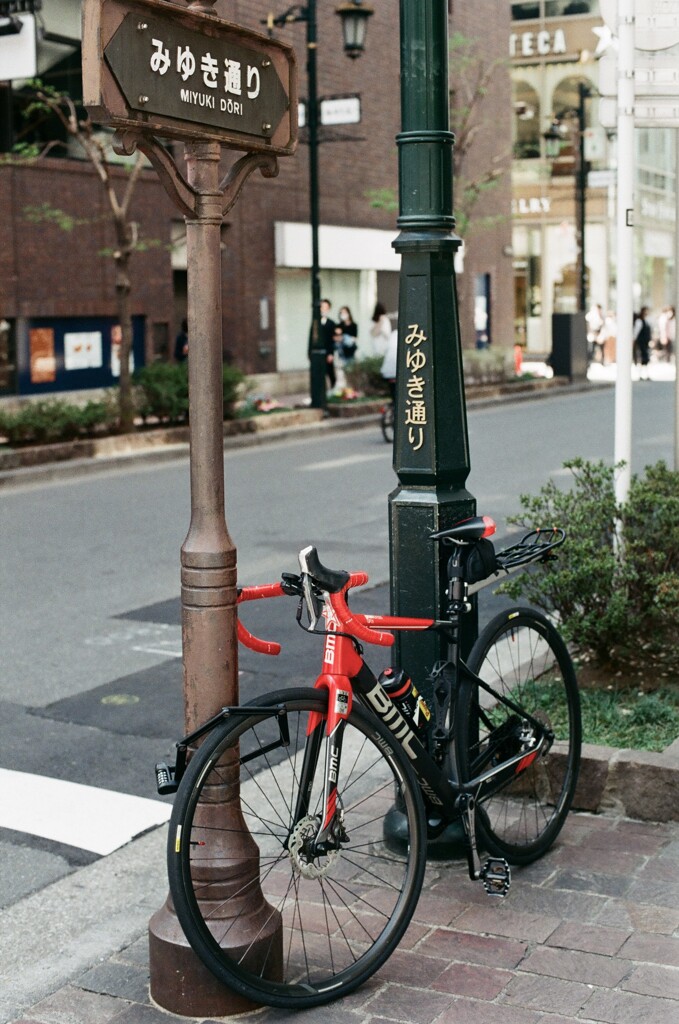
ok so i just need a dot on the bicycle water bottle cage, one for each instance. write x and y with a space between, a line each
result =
466 531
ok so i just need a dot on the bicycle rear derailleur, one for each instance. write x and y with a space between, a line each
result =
495 873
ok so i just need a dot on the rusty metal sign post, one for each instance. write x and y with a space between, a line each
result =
153 70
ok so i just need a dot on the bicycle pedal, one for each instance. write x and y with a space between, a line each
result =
166 781
496 877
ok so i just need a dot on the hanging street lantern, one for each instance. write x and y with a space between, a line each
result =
354 16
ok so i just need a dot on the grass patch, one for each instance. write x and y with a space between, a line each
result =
620 717
642 721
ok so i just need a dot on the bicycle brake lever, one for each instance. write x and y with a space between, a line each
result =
291 584
312 602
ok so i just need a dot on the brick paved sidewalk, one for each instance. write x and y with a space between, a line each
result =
589 933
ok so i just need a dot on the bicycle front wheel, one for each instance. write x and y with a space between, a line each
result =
311 926
522 657
387 423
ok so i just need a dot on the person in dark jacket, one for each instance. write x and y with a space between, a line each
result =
326 340
641 335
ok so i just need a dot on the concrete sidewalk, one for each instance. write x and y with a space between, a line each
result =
589 933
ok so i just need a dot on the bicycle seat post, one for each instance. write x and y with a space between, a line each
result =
458 603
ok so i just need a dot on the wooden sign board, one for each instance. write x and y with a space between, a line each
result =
153 66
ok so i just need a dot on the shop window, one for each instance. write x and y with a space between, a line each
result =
482 310
526 126
526 11
160 340
7 358
565 99
565 114
565 8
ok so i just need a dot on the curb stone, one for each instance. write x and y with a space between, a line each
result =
635 783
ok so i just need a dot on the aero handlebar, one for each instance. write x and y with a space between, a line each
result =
247 638
350 622
346 618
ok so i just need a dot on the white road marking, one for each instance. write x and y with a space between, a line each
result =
86 817
164 652
347 460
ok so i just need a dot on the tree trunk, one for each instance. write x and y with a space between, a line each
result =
126 404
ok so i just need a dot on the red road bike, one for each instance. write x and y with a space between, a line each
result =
302 819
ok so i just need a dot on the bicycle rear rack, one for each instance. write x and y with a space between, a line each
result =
533 547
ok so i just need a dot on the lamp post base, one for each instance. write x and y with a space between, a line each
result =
180 983
449 845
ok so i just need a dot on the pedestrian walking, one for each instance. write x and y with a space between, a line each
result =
641 335
608 337
380 331
667 332
326 340
349 343
595 322
339 363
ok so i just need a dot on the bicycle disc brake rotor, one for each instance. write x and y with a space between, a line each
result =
304 858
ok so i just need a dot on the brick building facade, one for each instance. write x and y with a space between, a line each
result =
50 277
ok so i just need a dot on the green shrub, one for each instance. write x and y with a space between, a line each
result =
162 392
49 420
484 366
365 375
618 604
233 389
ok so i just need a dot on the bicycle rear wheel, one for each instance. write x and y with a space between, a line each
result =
316 926
523 658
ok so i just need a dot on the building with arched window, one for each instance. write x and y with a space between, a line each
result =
556 97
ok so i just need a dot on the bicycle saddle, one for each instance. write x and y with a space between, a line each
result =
467 530
329 580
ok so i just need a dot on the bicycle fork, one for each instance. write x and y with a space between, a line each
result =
322 832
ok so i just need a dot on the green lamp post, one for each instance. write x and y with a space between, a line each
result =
431 449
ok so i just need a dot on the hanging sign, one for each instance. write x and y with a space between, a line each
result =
151 65
17 46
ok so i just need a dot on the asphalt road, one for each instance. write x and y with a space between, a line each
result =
90 691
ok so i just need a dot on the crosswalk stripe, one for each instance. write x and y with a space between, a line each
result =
98 820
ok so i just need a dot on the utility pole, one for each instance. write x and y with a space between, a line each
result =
624 249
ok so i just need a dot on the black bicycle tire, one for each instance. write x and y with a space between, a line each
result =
247 984
466 730
387 424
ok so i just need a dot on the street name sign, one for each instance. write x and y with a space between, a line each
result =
656 58
153 66
656 24
334 110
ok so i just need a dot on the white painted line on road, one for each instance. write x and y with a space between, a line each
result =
89 818
163 651
347 460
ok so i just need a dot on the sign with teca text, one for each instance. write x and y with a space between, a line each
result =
154 66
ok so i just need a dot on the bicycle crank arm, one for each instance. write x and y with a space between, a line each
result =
467 808
495 873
